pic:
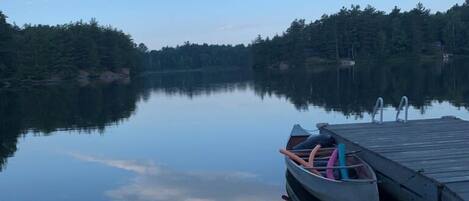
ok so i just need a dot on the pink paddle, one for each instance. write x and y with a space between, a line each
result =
330 165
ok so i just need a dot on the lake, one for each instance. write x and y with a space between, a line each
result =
196 136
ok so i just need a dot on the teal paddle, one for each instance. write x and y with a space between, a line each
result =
343 162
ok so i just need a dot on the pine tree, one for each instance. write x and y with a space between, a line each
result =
6 47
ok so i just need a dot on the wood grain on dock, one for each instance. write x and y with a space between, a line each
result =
425 160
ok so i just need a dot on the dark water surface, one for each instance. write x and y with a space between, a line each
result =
195 136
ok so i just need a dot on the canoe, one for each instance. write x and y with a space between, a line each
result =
324 181
295 190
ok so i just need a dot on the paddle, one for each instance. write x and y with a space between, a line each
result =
308 165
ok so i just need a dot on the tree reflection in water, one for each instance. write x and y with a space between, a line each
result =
352 91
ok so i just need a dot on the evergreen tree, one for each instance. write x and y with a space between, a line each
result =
7 56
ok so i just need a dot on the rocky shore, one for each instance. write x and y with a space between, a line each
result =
83 78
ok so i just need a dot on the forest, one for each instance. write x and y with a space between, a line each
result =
195 57
44 52
362 34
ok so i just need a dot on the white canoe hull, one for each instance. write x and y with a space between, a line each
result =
333 190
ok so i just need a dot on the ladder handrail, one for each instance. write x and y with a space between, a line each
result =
378 106
404 103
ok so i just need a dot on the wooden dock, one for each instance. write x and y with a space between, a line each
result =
423 160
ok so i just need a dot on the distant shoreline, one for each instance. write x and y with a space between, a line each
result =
207 70
105 77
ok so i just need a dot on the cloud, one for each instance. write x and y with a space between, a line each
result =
132 166
156 183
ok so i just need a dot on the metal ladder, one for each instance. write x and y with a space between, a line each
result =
404 104
378 106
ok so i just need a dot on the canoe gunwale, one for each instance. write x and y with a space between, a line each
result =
333 180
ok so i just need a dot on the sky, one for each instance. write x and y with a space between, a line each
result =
160 23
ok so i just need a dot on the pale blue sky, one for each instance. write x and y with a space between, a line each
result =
160 23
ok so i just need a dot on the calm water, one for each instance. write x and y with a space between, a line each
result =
195 136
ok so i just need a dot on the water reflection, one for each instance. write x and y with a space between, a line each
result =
354 90
194 84
67 107
46 109
42 110
159 183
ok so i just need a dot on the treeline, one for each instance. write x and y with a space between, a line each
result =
355 33
195 57
43 52
46 52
